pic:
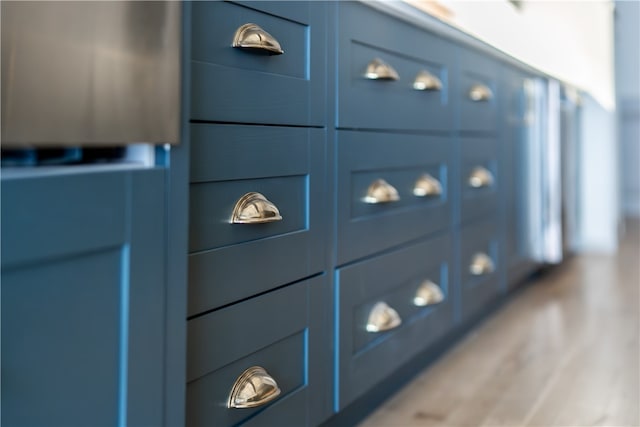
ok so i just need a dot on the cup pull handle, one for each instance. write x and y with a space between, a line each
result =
480 177
252 37
382 318
254 208
427 81
481 263
254 387
480 93
380 191
428 293
427 186
377 69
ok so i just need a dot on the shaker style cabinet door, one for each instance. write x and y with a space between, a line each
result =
83 298
478 94
480 178
390 308
262 361
255 217
391 189
258 62
480 267
391 75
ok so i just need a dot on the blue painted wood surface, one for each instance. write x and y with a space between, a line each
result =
477 202
478 69
83 298
363 157
239 86
229 262
365 34
365 358
478 291
278 331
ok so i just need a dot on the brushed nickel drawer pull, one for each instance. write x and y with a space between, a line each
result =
426 186
481 263
427 81
380 191
377 69
254 208
252 37
383 318
480 92
480 177
254 387
428 294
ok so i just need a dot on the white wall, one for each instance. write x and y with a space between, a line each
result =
570 40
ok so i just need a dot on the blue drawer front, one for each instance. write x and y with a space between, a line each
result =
401 160
212 205
365 358
478 290
477 69
478 201
234 85
229 262
365 34
279 331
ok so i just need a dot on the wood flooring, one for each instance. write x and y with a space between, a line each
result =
563 352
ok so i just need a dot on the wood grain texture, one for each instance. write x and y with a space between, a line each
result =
563 352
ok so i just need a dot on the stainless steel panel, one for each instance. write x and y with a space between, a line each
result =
90 73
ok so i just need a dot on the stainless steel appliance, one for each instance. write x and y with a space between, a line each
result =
103 73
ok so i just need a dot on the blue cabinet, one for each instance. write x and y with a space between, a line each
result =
354 200
250 83
258 291
231 261
480 266
479 91
83 295
515 148
480 178
395 156
416 169
391 75
389 132
389 308
279 332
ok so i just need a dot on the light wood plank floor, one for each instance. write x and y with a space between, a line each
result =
564 352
